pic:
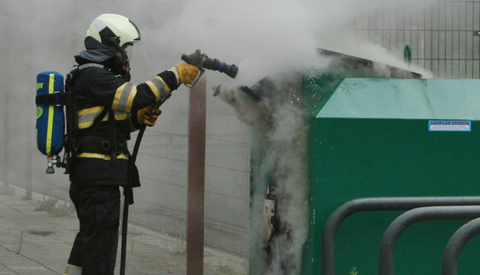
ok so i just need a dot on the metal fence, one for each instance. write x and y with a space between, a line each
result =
444 36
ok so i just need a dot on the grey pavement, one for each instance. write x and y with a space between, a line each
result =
34 242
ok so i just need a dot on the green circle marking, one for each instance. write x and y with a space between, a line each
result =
39 112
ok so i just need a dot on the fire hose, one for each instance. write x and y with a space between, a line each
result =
202 61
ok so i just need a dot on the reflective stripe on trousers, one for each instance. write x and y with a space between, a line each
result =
73 270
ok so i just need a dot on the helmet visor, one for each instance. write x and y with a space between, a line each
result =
129 51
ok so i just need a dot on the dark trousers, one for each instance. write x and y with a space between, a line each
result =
98 211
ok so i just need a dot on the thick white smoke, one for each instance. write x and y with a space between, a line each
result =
265 38
270 36
262 37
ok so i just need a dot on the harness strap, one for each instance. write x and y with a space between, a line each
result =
112 135
56 98
102 145
73 143
88 131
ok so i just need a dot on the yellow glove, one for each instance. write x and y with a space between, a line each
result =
186 73
148 117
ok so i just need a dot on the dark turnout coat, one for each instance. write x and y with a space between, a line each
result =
103 156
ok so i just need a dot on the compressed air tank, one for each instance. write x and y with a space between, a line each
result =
50 124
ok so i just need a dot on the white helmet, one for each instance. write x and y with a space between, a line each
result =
114 30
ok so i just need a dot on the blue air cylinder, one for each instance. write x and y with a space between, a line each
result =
50 127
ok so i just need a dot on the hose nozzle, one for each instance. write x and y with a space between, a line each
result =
204 62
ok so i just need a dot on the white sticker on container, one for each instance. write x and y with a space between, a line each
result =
450 125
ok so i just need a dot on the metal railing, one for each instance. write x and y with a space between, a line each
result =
376 204
456 244
398 226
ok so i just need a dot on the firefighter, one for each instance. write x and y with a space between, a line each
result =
102 89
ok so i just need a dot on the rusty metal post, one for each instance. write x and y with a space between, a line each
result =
196 178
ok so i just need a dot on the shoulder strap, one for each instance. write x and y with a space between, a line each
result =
99 118
72 76
73 141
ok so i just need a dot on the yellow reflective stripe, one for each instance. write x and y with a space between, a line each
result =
100 156
124 96
165 86
154 89
91 110
118 94
51 110
87 116
159 88
120 115
73 270
86 124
